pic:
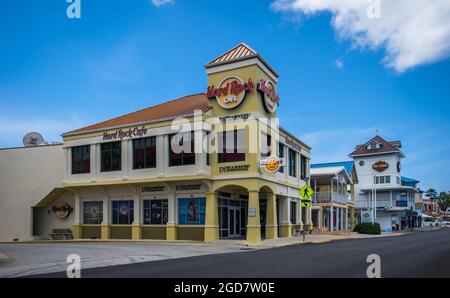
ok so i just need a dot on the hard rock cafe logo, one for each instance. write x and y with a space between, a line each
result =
231 92
269 96
380 166
272 163
62 210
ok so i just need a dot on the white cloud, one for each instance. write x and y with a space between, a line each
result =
159 3
339 63
412 32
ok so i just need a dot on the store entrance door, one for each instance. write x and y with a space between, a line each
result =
235 221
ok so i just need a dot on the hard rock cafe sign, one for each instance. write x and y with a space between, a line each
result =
62 210
269 96
231 92
272 163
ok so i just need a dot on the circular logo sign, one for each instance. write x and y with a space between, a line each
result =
380 166
231 92
62 210
269 95
272 163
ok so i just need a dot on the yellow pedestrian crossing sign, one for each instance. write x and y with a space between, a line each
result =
306 203
306 192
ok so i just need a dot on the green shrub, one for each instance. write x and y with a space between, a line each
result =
368 228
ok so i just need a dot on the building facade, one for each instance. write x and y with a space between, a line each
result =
380 195
209 166
333 184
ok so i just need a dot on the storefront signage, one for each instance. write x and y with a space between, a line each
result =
120 134
188 187
293 144
153 188
269 96
62 210
237 168
272 163
380 166
251 212
232 118
231 92
366 216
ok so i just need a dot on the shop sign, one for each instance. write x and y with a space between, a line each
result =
153 188
306 192
188 187
272 163
366 216
231 92
232 118
269 96
293 144
120 134
237 168
62 210
251 212
380 166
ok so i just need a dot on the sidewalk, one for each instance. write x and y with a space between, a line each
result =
316 239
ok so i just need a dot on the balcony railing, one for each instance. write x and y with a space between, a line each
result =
396 204
328 197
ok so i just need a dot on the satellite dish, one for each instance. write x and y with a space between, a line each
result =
33 139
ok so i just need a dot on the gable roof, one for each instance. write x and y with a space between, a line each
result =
348 165
240 52
184 106
386 147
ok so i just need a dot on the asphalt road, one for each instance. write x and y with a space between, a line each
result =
421 254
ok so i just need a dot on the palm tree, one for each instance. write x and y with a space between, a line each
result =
431 193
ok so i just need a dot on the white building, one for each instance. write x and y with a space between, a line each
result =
380 194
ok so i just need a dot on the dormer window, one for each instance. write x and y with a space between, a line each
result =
373 145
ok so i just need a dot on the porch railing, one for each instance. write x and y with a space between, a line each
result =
328 197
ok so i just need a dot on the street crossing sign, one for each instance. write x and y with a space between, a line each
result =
306 203
306 192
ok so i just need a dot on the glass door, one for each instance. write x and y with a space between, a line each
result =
235 222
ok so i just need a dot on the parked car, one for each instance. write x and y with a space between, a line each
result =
443 223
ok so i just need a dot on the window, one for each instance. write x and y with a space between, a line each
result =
122 212
281 148
208 154
181 149
303 167
266 141
92 213
144 153
373 145
382 179
156 212
191 211
294 213
111 154
292 163
81 159
231 146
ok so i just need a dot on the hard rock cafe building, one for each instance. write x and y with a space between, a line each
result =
208 166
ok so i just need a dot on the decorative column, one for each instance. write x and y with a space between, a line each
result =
271 217
319 218
105 228
341 220
136 229
171 228
286 227
331 219
253 220
346 218
76 231
212 217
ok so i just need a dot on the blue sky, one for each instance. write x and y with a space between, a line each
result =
58 74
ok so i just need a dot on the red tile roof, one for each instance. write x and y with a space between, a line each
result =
175 108
385 147
238 52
